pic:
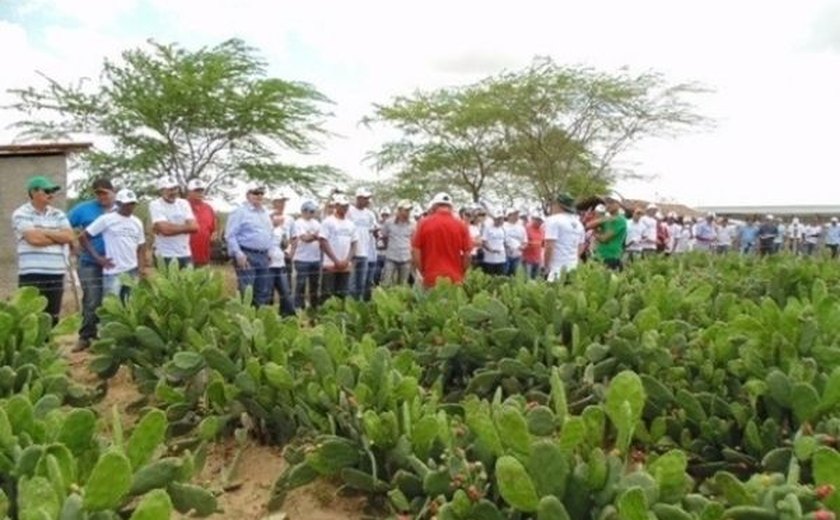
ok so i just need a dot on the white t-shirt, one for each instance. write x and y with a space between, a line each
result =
307 251
683 240
515 239
475 235
813 233
494 238
635 234
340 234
122 236
648 232
796 231
365 222
565 233
276 255
674 231
177 212
726 234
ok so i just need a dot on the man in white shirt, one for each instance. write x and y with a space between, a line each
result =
306 255
795 233
125 252
515 240
339 241
813 232
649 226
725 236
396 234
280 239
832 237
564 238
172 222
779 239
366 227
493 244
635 236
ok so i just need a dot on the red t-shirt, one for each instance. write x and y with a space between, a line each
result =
200 240
533 253
443 240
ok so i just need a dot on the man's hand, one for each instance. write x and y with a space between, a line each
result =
242 261
104 262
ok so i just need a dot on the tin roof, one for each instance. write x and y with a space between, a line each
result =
7 150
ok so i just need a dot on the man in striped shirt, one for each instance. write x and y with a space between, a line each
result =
42 233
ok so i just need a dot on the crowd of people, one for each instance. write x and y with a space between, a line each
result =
343 248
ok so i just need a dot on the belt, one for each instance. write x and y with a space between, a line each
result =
254 251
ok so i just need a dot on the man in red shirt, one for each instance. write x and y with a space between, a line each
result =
441 244
205 217
532 256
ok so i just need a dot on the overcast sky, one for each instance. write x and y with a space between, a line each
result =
774 67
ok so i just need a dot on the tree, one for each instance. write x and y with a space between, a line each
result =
212 114
451 140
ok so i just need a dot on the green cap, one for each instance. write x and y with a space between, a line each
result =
41 183
566 200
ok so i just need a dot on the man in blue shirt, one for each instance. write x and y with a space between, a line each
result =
90 271
748 236
832 237
249 233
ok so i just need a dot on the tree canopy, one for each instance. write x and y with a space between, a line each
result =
211 114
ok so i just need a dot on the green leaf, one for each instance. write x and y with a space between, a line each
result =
625 401
480 422
156 505
632 504
109 482
804 401
558 396
513 429
188 497
551 508
733 489
147 436
36 498
77 430
826 466
515 485
831 394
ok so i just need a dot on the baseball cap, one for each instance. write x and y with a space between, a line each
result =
651 206
280 195
167 183
404 204
566 200
256 187
537 215
385 211
363 192
511 211
196 184
834 219
441 198
341 200
600 208
614 196
102 183
126 196
41 182
308 206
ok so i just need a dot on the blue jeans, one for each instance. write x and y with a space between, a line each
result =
183 261
512 265
280 284
358 278
372 277
307 273
256 276
334 284
90 277
531 270
112 284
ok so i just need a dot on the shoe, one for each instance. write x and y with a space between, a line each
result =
81 344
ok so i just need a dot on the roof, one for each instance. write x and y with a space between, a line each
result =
679 209
7 150
800 210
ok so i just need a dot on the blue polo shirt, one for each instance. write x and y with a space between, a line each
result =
81 216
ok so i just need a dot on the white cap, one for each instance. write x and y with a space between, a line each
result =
795 220
405 204
770 217
126 196
363 192
166 183
511 211
834 219
494 213
672 214
196 184
441 198
600 208
537 214
341 200
659 215
280 195
710 214
385 211
651 206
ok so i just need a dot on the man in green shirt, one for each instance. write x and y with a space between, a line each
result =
611 234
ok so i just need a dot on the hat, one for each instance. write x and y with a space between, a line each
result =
441 198
537 215
769 217
196 185
102 183
651 206
511 211
41 183
385 211
255 187
308 206
710 214
795 220
363 192
341 200
614 196
834 219
600 208
166 183
494 213
404 204
126 196
659 215
280 195
565 200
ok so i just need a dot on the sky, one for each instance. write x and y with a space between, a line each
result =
774 67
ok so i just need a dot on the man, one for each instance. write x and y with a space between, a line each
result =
441 244
674 229
705 234
832 237
476 216
396 234
635 236
277 272
205 219
339 239
365 221
377 274
748 236
781 233
173 222
768 231
649 230
306 255
125 252
795 234
612 233
249 234
515 241
813 231
43 235
724 236
564 238
493 244
532 256
90 272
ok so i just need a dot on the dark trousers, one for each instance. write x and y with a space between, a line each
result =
359 279
279 277
613 264
512 265
494 269
90 277
532 270
256 276
307 274
183 261
833 249
50 286
334 284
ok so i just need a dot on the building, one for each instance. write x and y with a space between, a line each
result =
19 162
804 212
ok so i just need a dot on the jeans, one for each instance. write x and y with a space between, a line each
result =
512 265
183 261
334 284
50 286
372 276
279 280
722 250
112 284
833 248
307 273
395 273
614 264
532 270
358 279
256 276
90 277
747 248
494 269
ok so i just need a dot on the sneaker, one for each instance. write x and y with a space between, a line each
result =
81 344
